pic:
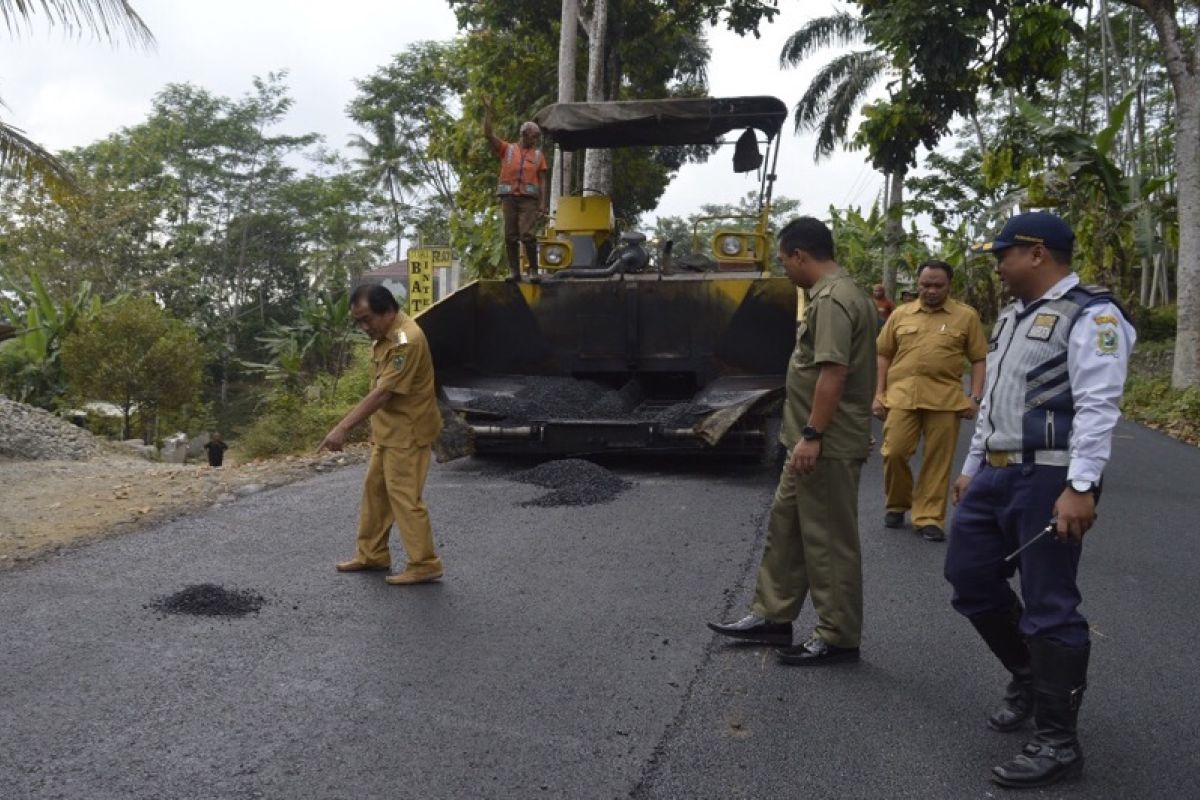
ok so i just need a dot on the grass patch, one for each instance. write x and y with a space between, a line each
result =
1151 400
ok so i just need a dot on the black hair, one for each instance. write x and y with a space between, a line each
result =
808 234
377 297
933 263
1062 257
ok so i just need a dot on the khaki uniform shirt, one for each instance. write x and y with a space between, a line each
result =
838 327
401 361
928 348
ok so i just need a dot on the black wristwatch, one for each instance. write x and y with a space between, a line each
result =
810 434
1082 486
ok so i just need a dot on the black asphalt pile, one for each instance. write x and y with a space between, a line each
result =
680 415
544 398
573 482
210 600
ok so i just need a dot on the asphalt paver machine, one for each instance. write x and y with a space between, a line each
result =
617 349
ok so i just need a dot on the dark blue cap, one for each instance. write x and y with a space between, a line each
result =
1034 227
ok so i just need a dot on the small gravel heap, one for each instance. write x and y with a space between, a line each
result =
574 482
542 398
680 415
32 434
210 600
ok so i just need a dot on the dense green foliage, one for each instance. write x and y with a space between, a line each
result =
133 355
293 419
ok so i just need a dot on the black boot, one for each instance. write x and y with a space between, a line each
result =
512 251
531 253
1059 678
1002 635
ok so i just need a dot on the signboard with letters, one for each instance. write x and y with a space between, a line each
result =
422 261
420 279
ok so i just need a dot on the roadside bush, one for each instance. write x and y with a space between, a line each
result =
1153 402
1156 324
295 420
1152 359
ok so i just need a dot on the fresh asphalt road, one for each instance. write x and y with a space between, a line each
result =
565 654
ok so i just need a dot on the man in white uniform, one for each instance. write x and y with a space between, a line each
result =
1055 373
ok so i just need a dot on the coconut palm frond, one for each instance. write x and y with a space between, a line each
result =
862 71
25 159
105 19
837 29
849 75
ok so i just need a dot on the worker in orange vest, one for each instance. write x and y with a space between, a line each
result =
523 188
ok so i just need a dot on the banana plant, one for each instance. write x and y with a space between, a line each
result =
29 364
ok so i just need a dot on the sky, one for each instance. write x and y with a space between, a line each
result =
65 91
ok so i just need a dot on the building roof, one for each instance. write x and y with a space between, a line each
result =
393 271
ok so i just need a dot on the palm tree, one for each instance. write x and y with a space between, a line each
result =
21 157
839 88
383 164
835 93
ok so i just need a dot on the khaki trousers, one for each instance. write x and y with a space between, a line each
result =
902 430
813 549
392 493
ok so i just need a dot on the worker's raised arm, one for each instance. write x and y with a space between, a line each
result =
488 113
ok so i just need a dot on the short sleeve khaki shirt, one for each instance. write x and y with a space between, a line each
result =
401 361
838 327
929 349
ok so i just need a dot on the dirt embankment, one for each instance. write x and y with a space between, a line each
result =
48 505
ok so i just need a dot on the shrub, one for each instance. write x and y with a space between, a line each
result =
1154 402
1156 324
296 420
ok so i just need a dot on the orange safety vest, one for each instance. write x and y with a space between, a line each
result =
515 179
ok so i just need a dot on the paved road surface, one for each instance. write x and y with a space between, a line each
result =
565 654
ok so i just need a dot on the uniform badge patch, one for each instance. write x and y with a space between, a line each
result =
1106 319
1043 327
1107 341
398 362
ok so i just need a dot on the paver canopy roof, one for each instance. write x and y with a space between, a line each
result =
628 123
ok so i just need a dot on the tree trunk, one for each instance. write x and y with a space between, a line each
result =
1184 68
597 164
893 231
1087 70
397 228
562 174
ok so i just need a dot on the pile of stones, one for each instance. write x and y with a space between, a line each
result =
31 434
210 600
573 482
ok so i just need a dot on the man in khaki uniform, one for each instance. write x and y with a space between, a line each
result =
812 536
404 423
922 349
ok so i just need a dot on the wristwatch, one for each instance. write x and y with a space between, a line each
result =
976 398
810 434
1082 486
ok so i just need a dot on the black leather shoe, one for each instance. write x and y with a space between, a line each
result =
815 652
1040 765
757 630
932 533
893 519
